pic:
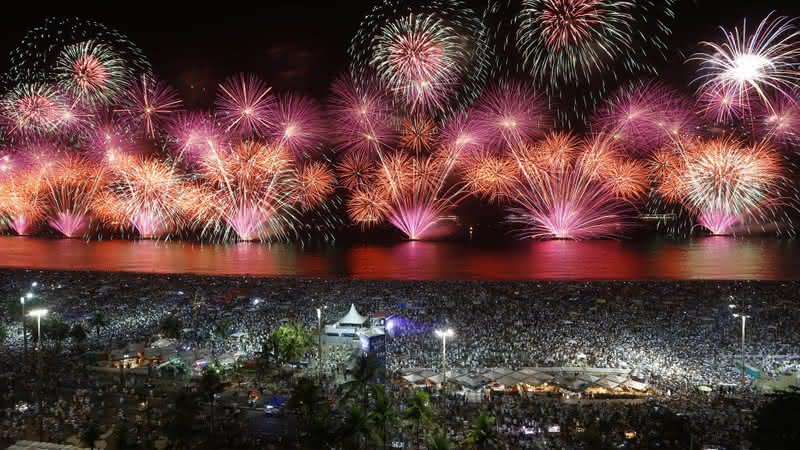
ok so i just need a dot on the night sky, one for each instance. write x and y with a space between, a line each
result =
295 46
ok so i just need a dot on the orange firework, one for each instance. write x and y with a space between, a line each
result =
628 179
356 171
666 168
600 154
396 174
491 176
557 150
315 183
417 133
368 206
21 201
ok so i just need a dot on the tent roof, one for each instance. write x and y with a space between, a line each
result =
352 317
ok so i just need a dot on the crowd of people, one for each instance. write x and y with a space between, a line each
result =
675 336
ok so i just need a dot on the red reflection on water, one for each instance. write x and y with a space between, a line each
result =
707 258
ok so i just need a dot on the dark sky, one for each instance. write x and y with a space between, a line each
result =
295 46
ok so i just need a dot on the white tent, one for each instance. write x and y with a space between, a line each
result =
352 318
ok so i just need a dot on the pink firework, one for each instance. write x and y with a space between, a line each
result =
362 117
244 105
644 116
511 113
419 218
298 125
781 121
461 135
568 205
195 135
147 103
32 108
69 186
108 140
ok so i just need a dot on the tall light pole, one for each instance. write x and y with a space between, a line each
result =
39 313
444 334
24 328
319 343
744 323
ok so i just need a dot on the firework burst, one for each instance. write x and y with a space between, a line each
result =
244 105
147 103
315 183
748 66
91 72
33 108
726 182
148 195
253 187
432 55
298 125
362 117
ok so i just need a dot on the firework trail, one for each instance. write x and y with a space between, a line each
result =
298 125
70 184
253 187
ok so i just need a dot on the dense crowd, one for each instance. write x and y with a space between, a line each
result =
675 336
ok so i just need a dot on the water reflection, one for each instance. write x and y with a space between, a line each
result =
706 258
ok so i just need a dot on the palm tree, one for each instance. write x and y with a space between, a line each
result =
98 321
90 434
210 385
178 427
78 334
439 441
362 374
418 414
307 402
171 327
58 331
356 430
482 433
382 415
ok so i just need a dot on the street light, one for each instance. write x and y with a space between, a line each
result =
39 313
744 322
319 340
444 334
24 328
